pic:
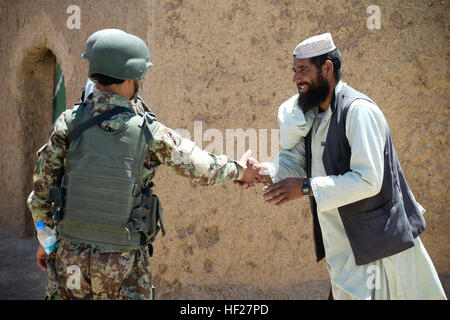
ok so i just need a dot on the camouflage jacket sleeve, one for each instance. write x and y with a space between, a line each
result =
183 157
48 172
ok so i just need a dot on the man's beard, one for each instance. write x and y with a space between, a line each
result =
316 94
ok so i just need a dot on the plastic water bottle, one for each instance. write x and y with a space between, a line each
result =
46 236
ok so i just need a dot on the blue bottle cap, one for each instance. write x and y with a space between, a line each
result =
40 225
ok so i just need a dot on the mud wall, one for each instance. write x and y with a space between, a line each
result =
227 65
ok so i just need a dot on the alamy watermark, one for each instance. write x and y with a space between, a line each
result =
74 20
74 280
373 281
233 143
374 20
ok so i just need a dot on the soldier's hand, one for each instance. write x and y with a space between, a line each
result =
41 257
283 191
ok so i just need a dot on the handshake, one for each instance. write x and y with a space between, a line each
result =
254 173
274 193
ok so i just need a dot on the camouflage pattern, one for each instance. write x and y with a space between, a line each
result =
139 106
201 167
78 271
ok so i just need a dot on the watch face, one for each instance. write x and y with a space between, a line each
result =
305 187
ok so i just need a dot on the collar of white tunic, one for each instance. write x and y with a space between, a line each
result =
294 123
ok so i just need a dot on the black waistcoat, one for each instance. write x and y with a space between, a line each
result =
379 226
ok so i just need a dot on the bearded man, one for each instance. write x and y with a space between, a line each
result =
336 148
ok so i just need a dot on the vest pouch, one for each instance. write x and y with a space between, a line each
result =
147 217
56 196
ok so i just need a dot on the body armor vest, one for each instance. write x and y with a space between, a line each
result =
105 202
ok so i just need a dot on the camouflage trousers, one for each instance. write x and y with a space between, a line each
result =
78 271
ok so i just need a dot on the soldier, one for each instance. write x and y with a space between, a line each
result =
93 180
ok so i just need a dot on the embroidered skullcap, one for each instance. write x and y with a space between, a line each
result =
314 46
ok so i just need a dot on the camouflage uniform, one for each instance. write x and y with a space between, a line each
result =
114 275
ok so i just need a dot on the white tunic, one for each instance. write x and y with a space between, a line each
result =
407 275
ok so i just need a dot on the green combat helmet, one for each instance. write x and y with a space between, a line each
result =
119 55
94 37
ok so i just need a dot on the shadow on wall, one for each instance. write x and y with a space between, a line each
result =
37 87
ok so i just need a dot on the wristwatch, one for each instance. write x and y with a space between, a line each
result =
305 187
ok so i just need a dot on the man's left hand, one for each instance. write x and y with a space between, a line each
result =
283 191
41 257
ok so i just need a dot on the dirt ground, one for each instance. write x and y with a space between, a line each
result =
22 279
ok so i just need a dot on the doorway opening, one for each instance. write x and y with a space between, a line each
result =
42 99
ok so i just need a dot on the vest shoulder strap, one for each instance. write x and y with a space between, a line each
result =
83 126
150 126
